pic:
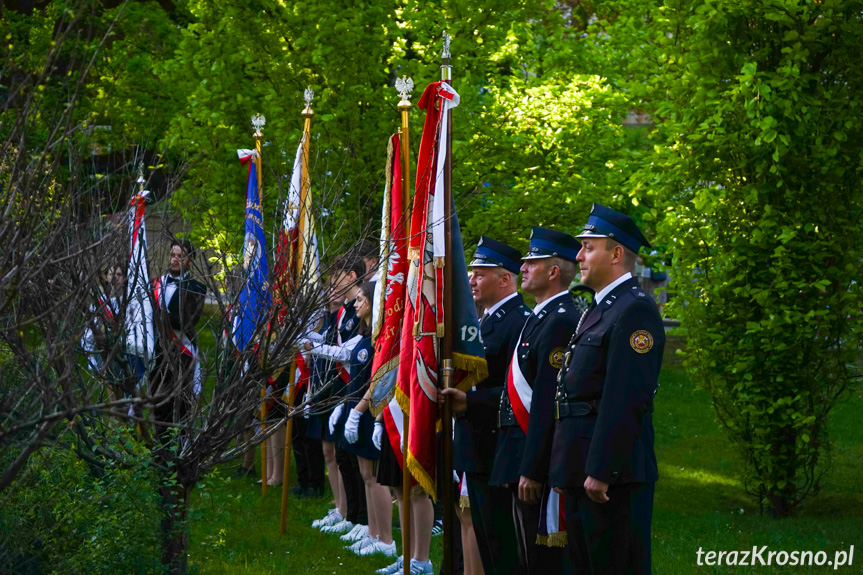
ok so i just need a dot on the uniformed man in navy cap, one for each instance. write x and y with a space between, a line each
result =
602 454
526 408
493 282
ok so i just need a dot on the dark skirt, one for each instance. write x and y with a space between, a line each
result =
319 428
388 471
364 447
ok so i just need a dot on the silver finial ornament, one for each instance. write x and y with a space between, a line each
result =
141 179
405 86
258 121
309 95
446 41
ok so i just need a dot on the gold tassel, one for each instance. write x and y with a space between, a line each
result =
439 262
554 540
464 502
440 330
404 401
416 329
476 368
413 253
421 476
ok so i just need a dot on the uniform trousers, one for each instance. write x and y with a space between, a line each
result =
491 511
355 487
534 559
309 455
611 538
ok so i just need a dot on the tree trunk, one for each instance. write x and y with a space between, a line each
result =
175 532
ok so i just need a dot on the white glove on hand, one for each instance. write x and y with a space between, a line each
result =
378 435
307 408
334 417
352 427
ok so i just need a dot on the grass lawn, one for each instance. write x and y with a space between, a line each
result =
700 503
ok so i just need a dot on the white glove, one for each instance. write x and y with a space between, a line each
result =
378 435
455 476
352 427
334 417
307 408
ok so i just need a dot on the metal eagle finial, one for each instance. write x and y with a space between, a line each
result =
140 179
405 86
309 95
258 121
446 40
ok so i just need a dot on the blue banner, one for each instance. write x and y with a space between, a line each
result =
254 300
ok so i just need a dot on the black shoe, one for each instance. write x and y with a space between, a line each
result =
312 492
243 472
297 490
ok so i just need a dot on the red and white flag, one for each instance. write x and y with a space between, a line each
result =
140 335
389 302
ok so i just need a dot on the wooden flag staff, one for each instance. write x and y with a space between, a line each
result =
299 262
258 122
405 85
446 343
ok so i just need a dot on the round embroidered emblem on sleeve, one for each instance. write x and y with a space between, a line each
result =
641 341
555 358
363 355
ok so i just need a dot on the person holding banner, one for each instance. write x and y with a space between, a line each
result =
493 281
359 428
602 452
346 285
179 304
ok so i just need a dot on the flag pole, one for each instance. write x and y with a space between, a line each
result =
405 86
297 272
446 341
258 122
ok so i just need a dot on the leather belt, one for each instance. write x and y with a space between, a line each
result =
563 409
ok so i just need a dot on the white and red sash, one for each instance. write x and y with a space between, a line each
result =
552 521
164 291
518 390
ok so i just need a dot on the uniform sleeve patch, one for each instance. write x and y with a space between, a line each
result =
555 358
641 341
363 355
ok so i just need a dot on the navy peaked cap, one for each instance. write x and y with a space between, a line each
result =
492 253
604 222
546 243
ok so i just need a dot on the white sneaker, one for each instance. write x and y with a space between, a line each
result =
332 516
393 569
421 567
355 534
379 547
342 526
437 528
356 546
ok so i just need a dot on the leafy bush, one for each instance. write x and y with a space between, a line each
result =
759 169
62 516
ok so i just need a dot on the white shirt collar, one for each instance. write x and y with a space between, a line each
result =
498 305
607 289
539 306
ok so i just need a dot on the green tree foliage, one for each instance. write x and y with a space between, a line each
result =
757 175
